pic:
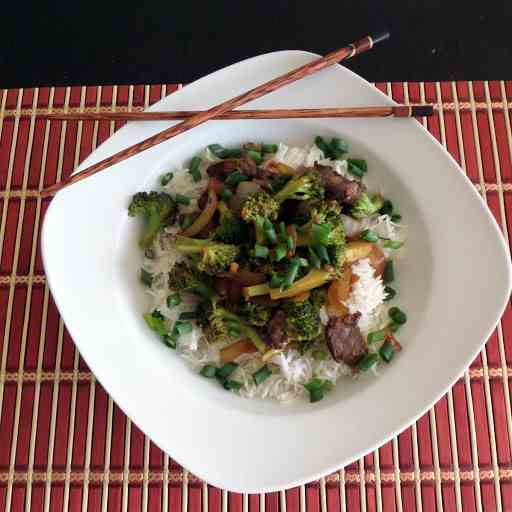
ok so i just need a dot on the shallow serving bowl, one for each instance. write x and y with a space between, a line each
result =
453 282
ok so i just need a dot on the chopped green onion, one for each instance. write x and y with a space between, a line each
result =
226 194
357 167
397 315
321 233
188 315
255 156
337 148
146 277
393 327
319 355
322 253
170 340
221 152
173 300
317 389
303 262
390 292
282 232
260 251
269 231
387 351
369 236
262 374
181 199
314 260
235 178
280 252
291 272
388 276
316 395
216 149
386 208
392 244
396 217
187 221
182 327
321 144
208 371
156 322
194 168
276 281
290 243
269 148
367 362
225 371
166 178
234 330
232 385
375 336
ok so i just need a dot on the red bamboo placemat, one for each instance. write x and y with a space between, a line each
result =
64 445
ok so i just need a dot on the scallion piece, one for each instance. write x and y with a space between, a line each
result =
234 330
146 277
338 147
221 152
260 251
322 253
173 300
388 276
282 232
386 208
317 389
194 169
291 272
321 233
232 385
181 199
255 156
208 371
396 217
357 167
166 178
392 244
276 281
188 315
369 236
387 351
397 315
367 362
290 243
375 336
156 322
390 293
262 374
170 340
269 148
187 221
314 260
225 371
270 232
235 178
280 252
226 194
182 327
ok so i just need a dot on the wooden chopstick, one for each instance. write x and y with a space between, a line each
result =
284 113
316 65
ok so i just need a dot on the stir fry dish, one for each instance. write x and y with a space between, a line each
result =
270 268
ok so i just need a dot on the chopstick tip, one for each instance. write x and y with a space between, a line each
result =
379 37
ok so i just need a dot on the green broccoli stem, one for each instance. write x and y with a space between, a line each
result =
190 245
153 225
245 329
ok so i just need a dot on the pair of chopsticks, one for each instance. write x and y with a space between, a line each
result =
225 110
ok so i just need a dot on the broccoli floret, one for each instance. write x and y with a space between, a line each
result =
214 257
231 229
220 321
157 208
183 278
324 234
364 206
259 205
303 319
337 257
327 212
302 188
256 314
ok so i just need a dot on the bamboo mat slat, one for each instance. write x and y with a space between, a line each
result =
64 445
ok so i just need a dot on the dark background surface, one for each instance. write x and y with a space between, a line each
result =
164 41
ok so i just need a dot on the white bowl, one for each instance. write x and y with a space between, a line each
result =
453 284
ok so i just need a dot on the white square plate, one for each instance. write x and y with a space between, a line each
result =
453 283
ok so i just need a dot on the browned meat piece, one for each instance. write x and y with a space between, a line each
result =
344 339
277 329
224 168
338 187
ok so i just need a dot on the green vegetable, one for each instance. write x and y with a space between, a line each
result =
226 194
181 199
270 231
209 371
387 351
388 276
317 389
254 155
157 208
334 149
280 252
269 148
262 374
314 260
225 371
322 253
276 280
392 244
368 361
396 217
260 251
184 278
182 327
319 355
291 273
303 319
397 315
194 168
232 385
386 208
234 330
156 322
166 178
188 315
214 256
369 236
390 293
187 221
282 232
221 152
258 207
364 206
307 186
256 314
375 336
173 300
231 229
235 178
357 167
290 243
146 277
